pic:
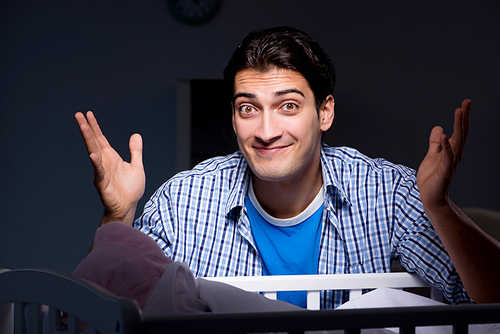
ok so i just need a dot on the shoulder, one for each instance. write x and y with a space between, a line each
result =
347 160
212 167
222 169
351 157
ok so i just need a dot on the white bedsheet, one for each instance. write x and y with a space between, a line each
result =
385 297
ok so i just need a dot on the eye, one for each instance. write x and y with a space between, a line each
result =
247 109
289 106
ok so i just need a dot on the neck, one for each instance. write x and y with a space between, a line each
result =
287 198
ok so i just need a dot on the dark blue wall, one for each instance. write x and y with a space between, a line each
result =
402 68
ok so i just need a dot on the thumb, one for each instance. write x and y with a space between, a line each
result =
435 140
135 145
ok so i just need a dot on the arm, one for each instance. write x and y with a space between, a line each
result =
475 254
119 184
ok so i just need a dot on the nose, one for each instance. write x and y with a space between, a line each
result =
269 129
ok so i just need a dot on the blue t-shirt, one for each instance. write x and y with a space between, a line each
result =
287 246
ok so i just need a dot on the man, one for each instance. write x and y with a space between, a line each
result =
287 204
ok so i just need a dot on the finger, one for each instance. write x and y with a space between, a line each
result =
435 141
87 134
448 159
81 121
460 130
466 106
456 139
96 130
135 146
93 148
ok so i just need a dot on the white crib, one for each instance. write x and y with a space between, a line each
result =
314 284
103 312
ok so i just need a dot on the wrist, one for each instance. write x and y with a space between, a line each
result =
126 218
443 214
436 203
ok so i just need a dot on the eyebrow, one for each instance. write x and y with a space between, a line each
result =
248 95
276 94
288 91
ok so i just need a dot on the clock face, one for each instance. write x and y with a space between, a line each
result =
193 11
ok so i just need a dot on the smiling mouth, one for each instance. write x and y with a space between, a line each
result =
270 150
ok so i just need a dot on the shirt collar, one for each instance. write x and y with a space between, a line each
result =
238 186
330 177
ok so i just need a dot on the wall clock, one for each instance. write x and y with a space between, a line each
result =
193 11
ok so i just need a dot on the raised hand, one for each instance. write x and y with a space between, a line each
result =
471 250
437 169
120 184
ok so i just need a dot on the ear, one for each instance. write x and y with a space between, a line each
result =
327 113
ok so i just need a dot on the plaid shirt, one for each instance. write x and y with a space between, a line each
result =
372 215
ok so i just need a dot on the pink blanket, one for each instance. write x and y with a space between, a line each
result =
124 261
130 264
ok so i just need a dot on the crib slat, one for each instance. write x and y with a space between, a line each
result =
436 295
19 318
407 330
53 318
313 300
73 324
33 313
355 293
460 329
271 294
352 331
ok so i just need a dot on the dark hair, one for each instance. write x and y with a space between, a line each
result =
286 48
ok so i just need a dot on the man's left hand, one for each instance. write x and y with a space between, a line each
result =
437 169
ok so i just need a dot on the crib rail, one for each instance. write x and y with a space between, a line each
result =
350 321
314 284
109 314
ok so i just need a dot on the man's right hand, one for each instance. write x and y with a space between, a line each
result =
120 184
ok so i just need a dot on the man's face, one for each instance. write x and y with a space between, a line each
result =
276 123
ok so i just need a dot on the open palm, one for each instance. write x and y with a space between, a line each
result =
120 184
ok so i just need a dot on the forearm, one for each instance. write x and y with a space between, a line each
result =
474 253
